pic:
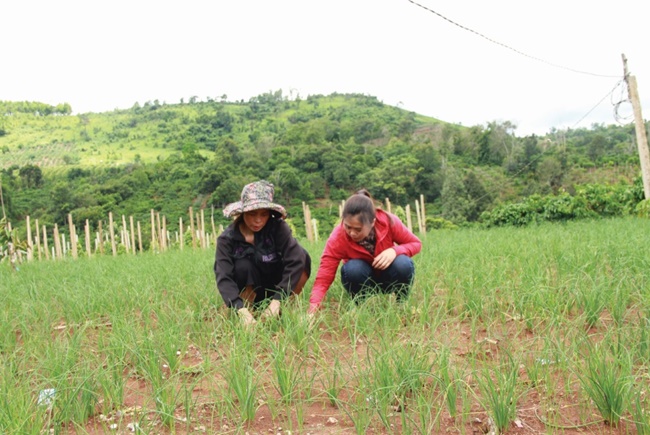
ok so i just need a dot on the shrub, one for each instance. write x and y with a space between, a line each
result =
642 209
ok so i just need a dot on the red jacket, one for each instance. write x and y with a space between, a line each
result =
390 233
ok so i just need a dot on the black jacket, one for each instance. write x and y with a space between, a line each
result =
275 247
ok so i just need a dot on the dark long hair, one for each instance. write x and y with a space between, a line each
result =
360 204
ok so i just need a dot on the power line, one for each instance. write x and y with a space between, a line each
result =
623 98
509 47
598 104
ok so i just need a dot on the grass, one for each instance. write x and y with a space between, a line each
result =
546 325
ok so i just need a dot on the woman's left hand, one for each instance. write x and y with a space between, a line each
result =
273 310
384 259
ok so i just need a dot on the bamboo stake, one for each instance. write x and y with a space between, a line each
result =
64 244
100 237
164 234
192 228
307 216
30 244
112 233
197 226
417 212
73 236
161 236
38 239
57 243
153 231
124 235
203 239
424 215
132 235
139 237
126 243
87 232
180 231
214 231
388 209
45 248
314 223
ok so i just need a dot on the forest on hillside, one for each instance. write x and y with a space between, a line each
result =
169 157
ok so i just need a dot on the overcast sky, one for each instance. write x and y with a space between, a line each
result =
102 55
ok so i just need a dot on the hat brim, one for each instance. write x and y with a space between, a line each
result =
237 208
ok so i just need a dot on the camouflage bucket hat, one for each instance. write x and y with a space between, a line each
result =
254 196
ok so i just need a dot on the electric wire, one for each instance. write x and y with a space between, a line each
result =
609 94
508 46
616 105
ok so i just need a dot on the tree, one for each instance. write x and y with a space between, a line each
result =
479 197
32 176
550 173
456 205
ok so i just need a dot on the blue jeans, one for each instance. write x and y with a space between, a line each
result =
361 280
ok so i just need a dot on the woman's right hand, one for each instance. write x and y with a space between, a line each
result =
246 317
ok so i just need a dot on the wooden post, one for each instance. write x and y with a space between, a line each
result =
2 201
38 239
388 205
87 232
73 237
307 216
407 210
127 242
192 228
45 248
417 212
139 237
153 231
314 223
180 232
424 215
197 226
132 235
641 138
100 237
214 230
163 232
57 242
204 243
161 236
112 233
30 244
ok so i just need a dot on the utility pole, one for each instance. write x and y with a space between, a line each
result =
641 138
2 201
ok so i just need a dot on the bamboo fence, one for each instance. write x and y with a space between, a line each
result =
124 236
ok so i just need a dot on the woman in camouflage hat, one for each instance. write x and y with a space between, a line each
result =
257 256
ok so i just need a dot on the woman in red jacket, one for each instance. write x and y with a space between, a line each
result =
376 249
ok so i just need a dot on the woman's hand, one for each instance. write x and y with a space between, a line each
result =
273 310
384 259
246 317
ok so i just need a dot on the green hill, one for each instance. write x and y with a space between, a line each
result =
200 153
